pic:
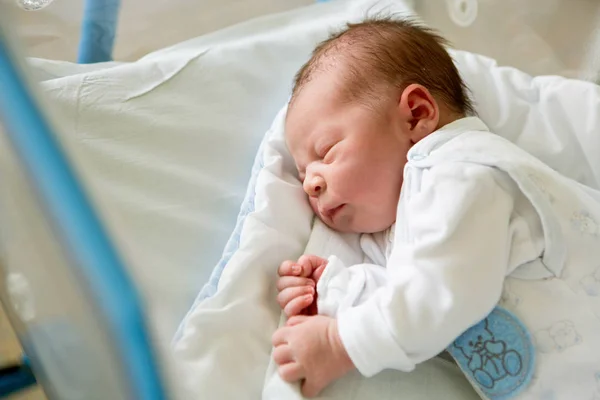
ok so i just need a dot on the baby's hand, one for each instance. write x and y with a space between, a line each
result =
310 349
297 284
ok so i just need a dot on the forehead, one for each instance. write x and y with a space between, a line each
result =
314 109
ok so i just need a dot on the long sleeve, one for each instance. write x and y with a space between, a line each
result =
342 287
444 274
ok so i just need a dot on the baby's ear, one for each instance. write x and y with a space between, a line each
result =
420 111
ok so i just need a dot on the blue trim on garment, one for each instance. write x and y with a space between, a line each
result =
497 355
76 224
98 31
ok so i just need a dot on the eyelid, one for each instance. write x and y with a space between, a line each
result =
326 150
326 155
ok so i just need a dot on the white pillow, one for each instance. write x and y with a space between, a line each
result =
165 144
239 318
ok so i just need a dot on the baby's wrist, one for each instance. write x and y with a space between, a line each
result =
340 353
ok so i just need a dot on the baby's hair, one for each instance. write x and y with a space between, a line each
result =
384 51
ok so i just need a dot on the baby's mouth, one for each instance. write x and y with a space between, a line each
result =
330 213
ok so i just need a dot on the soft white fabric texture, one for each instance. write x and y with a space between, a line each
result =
556 296
547 122
562 312
551 117
449 383
477 216
165 144
446 267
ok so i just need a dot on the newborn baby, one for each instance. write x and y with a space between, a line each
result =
380 130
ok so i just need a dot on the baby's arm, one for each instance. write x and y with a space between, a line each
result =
342 287
445 272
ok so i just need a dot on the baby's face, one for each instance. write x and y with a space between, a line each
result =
349 158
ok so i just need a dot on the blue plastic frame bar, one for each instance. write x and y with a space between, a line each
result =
15 378
78 228
98 31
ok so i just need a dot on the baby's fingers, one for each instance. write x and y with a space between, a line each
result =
294 300
293 281
291 372
296 306
290 268
283 354
318 272
309 263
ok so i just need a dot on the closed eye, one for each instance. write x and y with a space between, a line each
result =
323 153
327 153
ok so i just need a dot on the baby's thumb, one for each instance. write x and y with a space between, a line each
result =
307 263
318 272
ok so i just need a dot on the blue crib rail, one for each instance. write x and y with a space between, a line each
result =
14 378
99 28
98 31
119 304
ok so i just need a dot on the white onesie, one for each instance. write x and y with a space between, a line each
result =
479 222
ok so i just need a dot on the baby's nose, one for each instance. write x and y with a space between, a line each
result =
314 186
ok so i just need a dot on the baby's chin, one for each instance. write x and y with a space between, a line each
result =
347 225
338 227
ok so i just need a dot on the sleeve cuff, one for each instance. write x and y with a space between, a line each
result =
329 296
366 337
339 288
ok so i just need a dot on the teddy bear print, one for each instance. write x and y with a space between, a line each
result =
585 223
558 337
591 283
489 359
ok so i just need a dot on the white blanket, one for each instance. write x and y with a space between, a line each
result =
226 338
164 145
166 163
